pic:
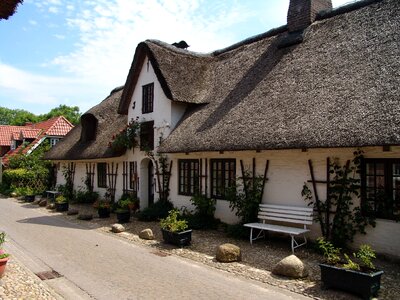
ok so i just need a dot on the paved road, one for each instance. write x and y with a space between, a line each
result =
96 265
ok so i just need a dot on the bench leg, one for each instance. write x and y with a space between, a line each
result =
295 244
258 235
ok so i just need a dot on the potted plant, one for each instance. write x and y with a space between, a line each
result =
61 203
175 231
123 208
103 208
3 255
29 195
357 275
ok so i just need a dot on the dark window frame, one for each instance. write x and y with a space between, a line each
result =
147 135
133 176
219 169
188 176
378 182
102 175
148 98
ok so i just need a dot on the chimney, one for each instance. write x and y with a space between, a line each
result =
303 12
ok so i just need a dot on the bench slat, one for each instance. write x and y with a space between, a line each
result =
294 213
285 216
286 207
277 228
289 220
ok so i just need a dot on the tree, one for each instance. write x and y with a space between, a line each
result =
8 8
71 113
16 116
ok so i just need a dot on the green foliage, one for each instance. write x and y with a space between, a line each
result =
83 196
16 116
2 238
172 222
2 241
24 182
246 201
21 117
128 202
204 205
366 254
127 137
330 252
156 211
68 187
61 199
343 189
237 231
351 265
71 113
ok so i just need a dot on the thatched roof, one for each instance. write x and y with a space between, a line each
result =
109 122
339 87
8 8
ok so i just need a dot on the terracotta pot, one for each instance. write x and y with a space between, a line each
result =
3 263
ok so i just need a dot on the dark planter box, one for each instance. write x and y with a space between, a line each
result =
30 198
62 206
363 284
180 239
104 212
123 217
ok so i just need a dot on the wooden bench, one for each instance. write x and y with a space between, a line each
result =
283 214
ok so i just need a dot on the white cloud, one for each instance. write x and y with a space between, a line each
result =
53 9
27 88
33 22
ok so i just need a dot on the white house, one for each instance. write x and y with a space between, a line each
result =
322 86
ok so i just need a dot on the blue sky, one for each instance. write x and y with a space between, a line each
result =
75 52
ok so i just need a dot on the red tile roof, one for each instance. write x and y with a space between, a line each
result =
6 132
58 127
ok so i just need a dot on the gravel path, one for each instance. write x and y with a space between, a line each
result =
20 283
257 259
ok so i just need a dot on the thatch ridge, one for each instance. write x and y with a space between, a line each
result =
338 88
325 14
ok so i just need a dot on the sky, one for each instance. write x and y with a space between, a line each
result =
74 52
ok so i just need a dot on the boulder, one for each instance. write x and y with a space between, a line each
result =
291 266
72 212
13 194
51 206
37 201
117 228
43 202
228 253
146 234
85 217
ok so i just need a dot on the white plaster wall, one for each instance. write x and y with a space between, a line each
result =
287 173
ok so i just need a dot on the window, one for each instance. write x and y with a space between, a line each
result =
89 127
147 98
223 175
188 181
147 136
381 187
54 141
133 175
102 175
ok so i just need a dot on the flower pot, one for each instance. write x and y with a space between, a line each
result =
29 198
180 239
361 283
3 263
104 212
62 206
123 216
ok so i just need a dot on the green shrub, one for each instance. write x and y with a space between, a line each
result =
330 252
197 221
237 231
61 199
86 197
172 222
156 211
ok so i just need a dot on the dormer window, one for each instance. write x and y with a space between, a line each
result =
89 127
148 98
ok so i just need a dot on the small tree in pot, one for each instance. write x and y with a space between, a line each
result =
3 255
175 231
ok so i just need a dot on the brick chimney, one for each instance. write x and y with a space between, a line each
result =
303 12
